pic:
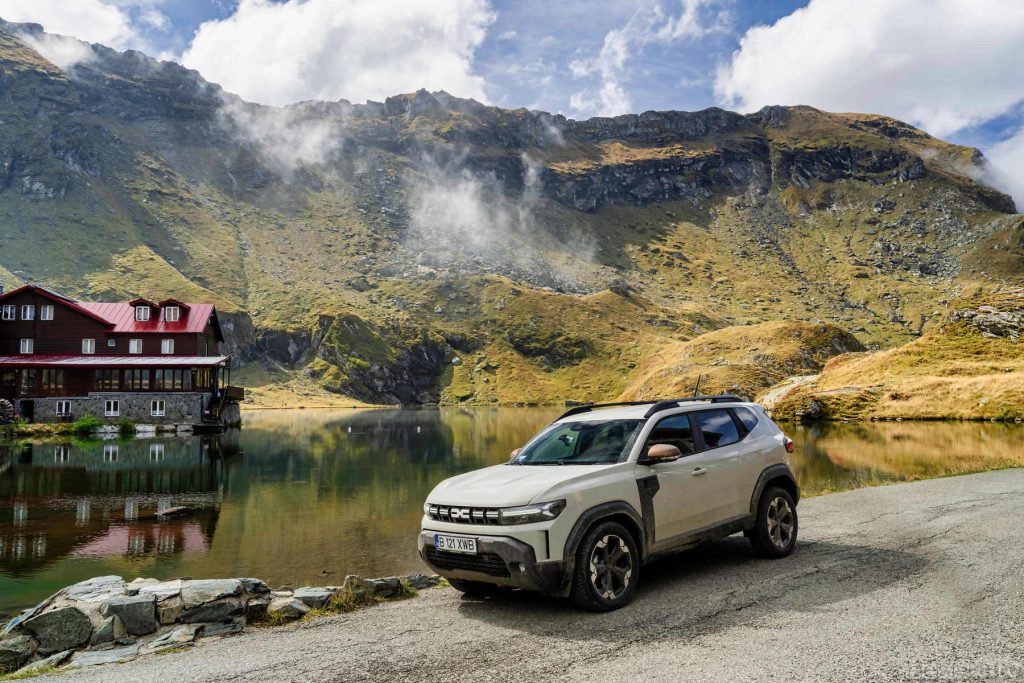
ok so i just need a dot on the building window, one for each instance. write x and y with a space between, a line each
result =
9 311
111 342
166 346
156 452
110 452
28 312
136 380
61 453
142 313
170 380
88 346
111 408
46 312
28 381
63 408
134 346
106 380
28 345
53 381
156 408
172 314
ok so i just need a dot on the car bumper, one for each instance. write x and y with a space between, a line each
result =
500 560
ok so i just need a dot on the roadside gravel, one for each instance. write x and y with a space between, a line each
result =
920 581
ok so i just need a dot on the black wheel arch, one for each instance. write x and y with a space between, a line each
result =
774 475
615 511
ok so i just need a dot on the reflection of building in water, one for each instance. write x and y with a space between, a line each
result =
89 499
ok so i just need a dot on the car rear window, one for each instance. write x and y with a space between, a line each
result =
747 417
717 427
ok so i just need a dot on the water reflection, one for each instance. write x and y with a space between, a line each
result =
307 496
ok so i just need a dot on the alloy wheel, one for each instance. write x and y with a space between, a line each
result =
780 522
611 567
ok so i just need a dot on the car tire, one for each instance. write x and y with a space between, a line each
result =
775 529
598 585
475 588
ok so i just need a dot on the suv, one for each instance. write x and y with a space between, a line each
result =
608 488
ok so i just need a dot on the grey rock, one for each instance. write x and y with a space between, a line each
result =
422 581
95 657
14 652
134 587
111 630
314 598
138 612
61 629
196 593
358 587
169 610
289 609
162 590
51 661
254 586
98 589
176 637
256 609
387 587
224 609
218 630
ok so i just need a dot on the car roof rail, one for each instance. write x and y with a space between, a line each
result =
673 402
659 404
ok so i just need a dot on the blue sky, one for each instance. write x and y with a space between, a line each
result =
948 66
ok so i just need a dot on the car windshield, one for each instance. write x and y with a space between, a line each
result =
580 443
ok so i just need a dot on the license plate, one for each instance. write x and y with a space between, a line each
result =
455 544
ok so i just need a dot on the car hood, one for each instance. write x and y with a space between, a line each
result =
506 485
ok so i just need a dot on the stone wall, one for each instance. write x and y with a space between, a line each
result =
179 407
106 620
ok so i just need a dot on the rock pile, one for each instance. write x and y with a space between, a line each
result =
106 620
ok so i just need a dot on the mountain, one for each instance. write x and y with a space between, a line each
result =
430 248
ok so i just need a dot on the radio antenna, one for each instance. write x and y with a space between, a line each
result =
696 387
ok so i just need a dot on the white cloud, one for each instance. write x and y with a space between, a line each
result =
649 24
284 52
1006 163
941 64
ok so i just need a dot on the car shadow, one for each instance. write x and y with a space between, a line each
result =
707 589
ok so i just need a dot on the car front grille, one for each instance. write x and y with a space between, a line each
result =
462 515
485 563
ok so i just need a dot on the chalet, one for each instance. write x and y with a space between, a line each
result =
144 361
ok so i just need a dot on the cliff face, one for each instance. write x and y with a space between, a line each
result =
366 247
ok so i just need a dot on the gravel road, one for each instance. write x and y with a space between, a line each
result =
920 581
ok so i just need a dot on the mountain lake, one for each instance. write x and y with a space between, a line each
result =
304 497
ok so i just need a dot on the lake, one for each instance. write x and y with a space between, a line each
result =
307 496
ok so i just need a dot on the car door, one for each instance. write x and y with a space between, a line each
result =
720 435
687 489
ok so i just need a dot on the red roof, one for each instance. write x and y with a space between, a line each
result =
122 315
83 361
54 296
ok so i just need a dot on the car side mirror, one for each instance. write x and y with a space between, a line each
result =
513 454
662 452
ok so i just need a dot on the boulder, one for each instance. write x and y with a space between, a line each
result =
46 663
111 630
162 590
422 581
254 586
218 630
315 598
61 629
14 652
256 609
289 609
138 612
387 587
176 637
95 657
224 609
198 592
359 588
169 610
134 587
98 589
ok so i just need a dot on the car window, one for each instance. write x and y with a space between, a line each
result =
674 430
747 417
584 443
717 427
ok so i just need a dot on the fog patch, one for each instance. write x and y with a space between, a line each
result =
64 51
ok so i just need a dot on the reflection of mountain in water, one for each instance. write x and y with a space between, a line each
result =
101 498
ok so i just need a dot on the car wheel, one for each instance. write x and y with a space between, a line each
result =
775 530
478 588
607 568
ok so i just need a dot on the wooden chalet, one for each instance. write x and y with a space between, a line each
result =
141 360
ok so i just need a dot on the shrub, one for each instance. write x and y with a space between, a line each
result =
84 426
6 412
126 428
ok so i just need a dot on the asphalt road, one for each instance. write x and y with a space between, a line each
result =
921 581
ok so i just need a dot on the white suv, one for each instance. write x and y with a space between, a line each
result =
608 488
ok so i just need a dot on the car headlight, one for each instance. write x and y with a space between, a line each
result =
527 514
426 507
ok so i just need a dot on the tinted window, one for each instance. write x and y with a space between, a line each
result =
580 443
676 431
747 417
718 428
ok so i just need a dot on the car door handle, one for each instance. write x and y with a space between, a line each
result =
698 471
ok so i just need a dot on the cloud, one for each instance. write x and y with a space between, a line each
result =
940 64
649 24
1006 166
286 52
